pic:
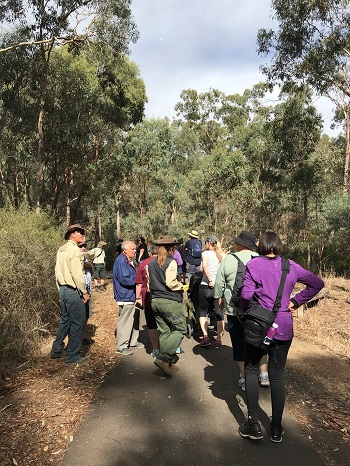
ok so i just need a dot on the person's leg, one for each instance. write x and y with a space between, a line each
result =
125 326
171 322
152 329
190 270
264 375
277 364
77 316
63 326
251 368
235 329
203 305
220 323
103 277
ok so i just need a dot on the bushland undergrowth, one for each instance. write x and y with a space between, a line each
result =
28 293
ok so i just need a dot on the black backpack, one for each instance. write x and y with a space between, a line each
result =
238 285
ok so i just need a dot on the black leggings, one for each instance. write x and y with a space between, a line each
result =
207 303
278 353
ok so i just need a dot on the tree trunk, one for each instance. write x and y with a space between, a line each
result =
347 151
40 169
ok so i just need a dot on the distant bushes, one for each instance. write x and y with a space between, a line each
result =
28 294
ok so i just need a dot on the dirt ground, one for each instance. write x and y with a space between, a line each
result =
42 406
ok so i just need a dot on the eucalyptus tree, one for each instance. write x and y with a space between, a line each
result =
93 98
46 25
148 155
311 46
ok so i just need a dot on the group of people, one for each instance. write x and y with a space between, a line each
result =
151 279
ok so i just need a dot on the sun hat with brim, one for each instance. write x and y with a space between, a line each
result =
72 228
247 239
165 241
101 243
194 234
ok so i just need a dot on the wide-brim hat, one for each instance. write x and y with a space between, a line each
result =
166 241
101 243
247 239
194 234
72 228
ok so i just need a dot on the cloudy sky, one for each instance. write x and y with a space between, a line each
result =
200 44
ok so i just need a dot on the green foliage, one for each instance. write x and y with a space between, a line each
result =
28 293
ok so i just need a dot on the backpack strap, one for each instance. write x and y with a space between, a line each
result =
285 272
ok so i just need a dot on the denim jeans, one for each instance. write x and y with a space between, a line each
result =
72 323
278 353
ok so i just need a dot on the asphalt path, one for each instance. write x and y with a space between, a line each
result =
191 419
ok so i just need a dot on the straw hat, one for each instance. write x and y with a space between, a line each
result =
194 234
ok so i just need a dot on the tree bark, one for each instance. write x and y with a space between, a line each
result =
347 150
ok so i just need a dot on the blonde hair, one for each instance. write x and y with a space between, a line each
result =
218 250
163 252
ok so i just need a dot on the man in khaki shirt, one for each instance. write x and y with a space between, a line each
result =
73 296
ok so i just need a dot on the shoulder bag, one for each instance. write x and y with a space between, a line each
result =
258 319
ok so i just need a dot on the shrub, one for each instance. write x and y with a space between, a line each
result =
28 293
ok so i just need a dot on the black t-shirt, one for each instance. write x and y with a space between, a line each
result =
144 254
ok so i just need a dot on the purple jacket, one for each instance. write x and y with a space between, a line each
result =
262 278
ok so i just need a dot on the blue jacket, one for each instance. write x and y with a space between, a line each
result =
124 280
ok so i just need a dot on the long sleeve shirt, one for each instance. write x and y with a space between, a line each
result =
124 280
69 267
262 279
226 277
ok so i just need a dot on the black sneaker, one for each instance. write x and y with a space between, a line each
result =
276 434
251 431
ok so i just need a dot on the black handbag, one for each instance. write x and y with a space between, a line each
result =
258 319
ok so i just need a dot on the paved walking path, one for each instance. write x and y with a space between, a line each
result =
191 419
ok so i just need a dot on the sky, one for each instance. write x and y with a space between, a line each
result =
201 45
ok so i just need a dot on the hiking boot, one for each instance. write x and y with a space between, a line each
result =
264 381
163 366
241 384
60 355
205 342
174 368
252 431
81 360
276 433
125 351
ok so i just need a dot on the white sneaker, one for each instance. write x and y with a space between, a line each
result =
264 381
241 383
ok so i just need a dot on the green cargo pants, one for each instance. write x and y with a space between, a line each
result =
171 323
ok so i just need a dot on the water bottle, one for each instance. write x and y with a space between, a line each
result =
269 336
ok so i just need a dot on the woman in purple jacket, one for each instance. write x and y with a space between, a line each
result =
261 280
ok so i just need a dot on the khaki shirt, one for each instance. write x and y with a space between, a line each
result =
98 256
69 267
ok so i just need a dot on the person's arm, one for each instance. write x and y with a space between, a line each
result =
138 292
205 269
248 290
77 274
313 283
141 252
171 280
124 274
220 281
